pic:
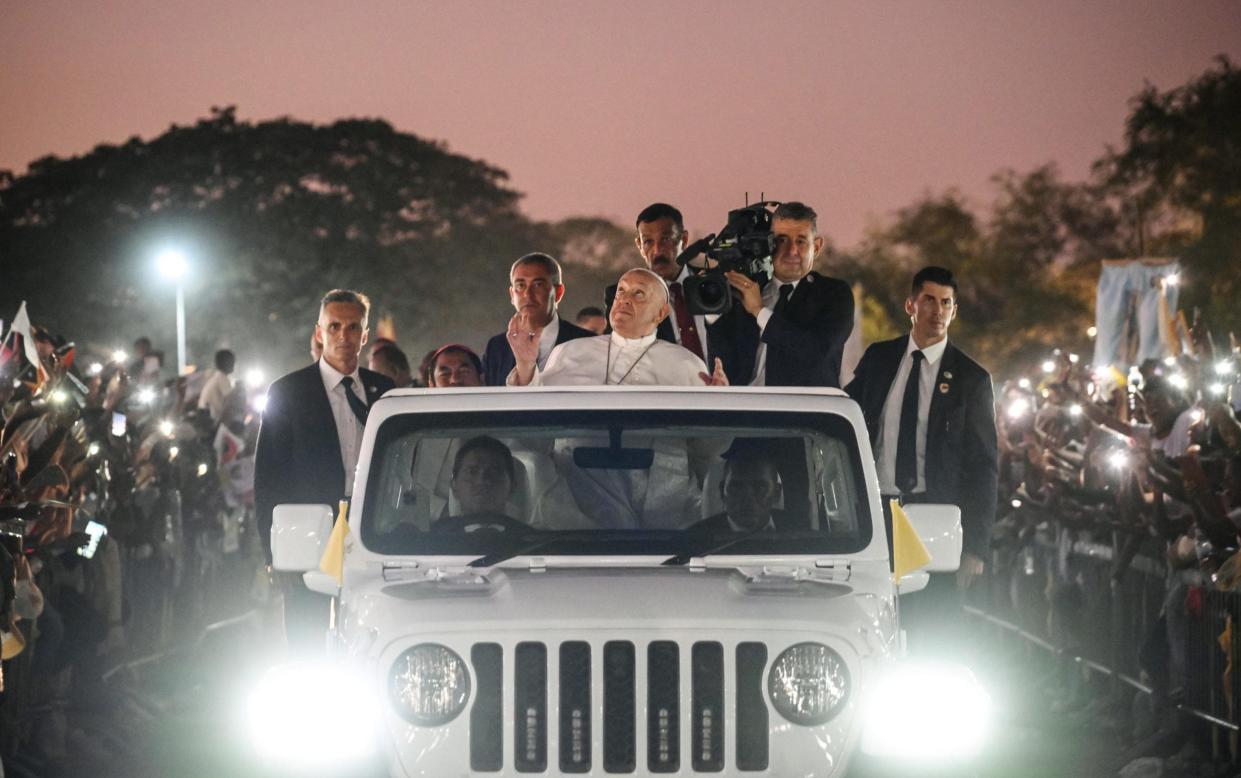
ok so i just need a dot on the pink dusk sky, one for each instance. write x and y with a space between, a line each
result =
601 108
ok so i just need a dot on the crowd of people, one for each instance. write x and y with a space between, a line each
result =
1145 464
126 514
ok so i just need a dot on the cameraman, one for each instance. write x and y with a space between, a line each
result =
792 331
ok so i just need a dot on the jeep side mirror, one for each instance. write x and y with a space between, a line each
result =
298 535
939 527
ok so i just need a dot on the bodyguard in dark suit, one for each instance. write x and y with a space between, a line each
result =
792 331
930 412
310 435
535 289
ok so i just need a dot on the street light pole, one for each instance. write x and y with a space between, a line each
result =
180 328
173 265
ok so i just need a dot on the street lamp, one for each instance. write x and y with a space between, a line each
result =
173 265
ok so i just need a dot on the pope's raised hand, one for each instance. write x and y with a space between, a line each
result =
523 339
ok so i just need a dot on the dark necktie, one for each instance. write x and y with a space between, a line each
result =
685 322
786 291
357 406
907 441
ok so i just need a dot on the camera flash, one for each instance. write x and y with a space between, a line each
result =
1018 408
1075 410
1172 279
1179 380
1217 389
166 427
1074 358
1118 459
119 357
1024 383
95 368
1223 367
254 376
1049 366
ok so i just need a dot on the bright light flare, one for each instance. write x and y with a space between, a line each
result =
167 428
172 264
1018 408
1049 366
1179 380
58 397
1172 279
173 451
1224 367
95 368
1092 332
202 469
1169 361
1016 503
1074 358
1075 410
294 704
254 377
1024 383
259 403
1119 460
1197 415
92 450
120 357
146 395
1217 389
926 712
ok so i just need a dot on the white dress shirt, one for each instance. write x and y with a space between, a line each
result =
644 361
348 428
216 391
890 421
771 296
547 340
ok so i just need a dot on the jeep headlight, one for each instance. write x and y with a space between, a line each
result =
429 685
808 683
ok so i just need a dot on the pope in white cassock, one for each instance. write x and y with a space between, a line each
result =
630 355
669 495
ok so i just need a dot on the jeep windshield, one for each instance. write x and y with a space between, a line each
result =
615 482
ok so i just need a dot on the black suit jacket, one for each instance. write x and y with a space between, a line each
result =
805 339
498 359
665 329
960 433
298 456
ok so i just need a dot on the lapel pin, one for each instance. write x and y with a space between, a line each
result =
947 375
943 388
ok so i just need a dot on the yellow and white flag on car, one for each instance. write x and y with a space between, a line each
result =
908 552
333 560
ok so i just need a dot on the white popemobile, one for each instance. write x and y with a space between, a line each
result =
555 581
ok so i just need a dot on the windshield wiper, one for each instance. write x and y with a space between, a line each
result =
496 557
685 556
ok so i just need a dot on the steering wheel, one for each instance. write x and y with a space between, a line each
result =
479 522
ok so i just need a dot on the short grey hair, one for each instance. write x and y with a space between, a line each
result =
347 296
662 283
547 261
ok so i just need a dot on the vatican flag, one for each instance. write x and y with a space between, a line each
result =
908 553
333 560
